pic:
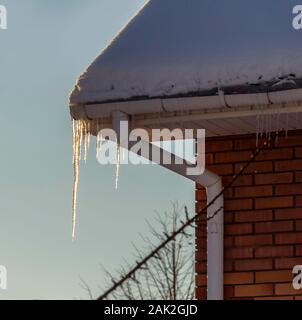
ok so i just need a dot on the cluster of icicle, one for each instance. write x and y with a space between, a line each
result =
277 123
81 133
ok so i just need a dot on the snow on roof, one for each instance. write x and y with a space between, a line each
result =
176 47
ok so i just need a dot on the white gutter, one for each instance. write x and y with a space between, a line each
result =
102 110
215 213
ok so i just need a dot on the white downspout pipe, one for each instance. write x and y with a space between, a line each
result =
215 213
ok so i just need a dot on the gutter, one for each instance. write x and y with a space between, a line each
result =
215 213
157 105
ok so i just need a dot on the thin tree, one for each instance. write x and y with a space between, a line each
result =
170 274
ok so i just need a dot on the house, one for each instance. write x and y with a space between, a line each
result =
233 68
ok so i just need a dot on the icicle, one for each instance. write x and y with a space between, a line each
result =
277 128
266 125
258 128
81 130
89 127
287 124
269 126
261 122
76 134
85 140
80 133
118 161
99 139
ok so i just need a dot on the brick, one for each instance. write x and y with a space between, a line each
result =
228 217
209 158
287 263
271 227
254 240
238 278
240 228
288 165
244 180
273 154
200 195
285 289
201 243
253 264
201 255
238 253
231 157
282 298
290 141
287 214
245 144
254 191
216 146
228 266
298 176
299 225
224 169
275 251
273 276
298 152
253 216
228 292
289 189
200 205
228 241
264 166
201 280
200 268
299 201
201 232
236 205
201 293
274 178
274 202
255 290
299 251
228 194
288 238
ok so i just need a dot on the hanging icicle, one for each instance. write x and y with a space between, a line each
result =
77 140
81 131
81 136
258 117
118 162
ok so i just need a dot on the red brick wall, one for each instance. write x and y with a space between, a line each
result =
263 218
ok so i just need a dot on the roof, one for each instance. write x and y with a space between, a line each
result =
180 48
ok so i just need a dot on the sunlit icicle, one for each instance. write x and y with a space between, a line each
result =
80 135
85 140
89 126
118 162
76 135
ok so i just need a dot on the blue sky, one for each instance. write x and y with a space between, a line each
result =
47 45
